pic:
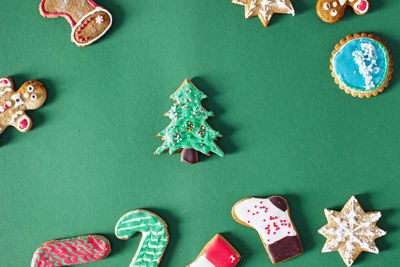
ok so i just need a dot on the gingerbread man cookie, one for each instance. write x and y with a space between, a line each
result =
332 11
271 219
13 104
89 21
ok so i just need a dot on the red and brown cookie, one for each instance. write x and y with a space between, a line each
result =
89 21
271 219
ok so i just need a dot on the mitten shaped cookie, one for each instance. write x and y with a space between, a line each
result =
332 11
89 21
31 95
270 218
217 253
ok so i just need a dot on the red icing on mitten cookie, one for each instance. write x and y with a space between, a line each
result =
217 253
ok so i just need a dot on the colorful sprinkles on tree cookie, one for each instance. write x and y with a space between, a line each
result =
362 65
188 131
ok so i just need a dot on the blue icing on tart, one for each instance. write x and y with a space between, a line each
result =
361 64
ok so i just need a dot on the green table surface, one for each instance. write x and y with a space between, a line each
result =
287 127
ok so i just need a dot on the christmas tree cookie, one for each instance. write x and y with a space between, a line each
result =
188 131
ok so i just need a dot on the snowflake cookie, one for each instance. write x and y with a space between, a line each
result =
351 231
265 8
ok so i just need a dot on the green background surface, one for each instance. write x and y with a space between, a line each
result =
287 127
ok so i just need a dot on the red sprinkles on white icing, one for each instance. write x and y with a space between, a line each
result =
272 223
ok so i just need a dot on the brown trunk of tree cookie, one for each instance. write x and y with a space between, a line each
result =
189 155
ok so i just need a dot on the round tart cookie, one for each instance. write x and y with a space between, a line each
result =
362 65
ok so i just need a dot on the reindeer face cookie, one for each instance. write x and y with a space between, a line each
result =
332 11
31 95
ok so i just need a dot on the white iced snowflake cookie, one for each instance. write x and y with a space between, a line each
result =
351 231
264 9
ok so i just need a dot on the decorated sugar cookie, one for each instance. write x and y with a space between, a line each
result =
89 21
217 253
31 95
332 11
155 236
71 251
188 131
271 219
351 231
362 65
264 9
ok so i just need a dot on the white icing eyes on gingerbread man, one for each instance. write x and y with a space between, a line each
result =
333 11
31 95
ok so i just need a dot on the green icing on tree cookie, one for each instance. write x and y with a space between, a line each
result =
188 127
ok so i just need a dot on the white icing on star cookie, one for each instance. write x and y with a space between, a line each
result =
265 8
351 231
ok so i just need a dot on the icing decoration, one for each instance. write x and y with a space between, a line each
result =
64 252
217 253
361 65
99 19
5 82
5 91
24 123
18 113
12 107
351 231
154 236
17 99
270 218
329 10
188 128
81 16
265 8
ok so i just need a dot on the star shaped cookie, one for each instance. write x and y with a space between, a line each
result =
351 231
265 8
